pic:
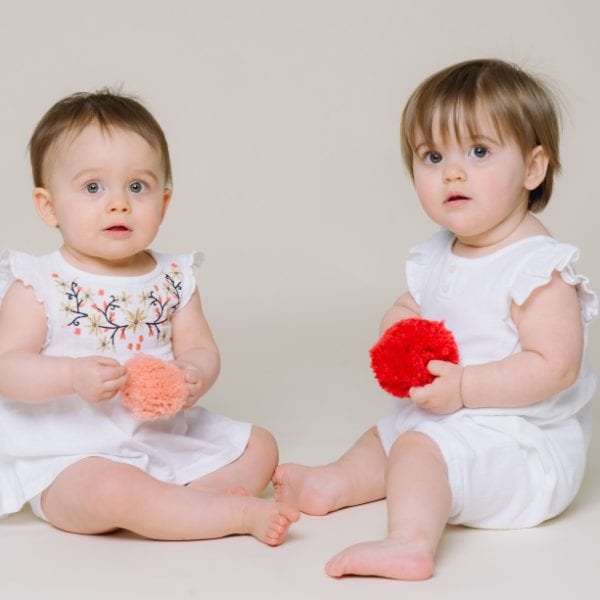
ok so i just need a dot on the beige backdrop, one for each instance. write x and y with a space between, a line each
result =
282 118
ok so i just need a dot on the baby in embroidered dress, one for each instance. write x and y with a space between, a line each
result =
499 440
70 319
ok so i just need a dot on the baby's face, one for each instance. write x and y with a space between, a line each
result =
106 192
474 184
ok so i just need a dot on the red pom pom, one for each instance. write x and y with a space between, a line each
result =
399 359
154 388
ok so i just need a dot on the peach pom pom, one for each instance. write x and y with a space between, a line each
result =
154 388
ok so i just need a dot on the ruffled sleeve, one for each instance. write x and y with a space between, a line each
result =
420 259
197 259
18 266
536 271
188 262
6 275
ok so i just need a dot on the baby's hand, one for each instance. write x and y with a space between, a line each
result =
193 380
97 378
443 395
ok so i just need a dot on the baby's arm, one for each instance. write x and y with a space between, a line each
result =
551 337
27 376
404 308
194 349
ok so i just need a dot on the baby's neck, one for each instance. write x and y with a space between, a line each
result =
131 266
472 248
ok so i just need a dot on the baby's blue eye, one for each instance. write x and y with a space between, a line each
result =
93 187
479 151
136 187
433 158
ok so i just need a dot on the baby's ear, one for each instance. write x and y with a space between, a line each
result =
167 195
537 166
44 206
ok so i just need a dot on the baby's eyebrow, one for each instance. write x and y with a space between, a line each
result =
88 171
479 137
148 174
474 138
96 171
420 146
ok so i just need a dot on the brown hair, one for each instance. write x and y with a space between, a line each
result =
519 105
106 108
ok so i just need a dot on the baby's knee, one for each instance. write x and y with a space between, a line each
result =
85 497
263 442
104 483
416 441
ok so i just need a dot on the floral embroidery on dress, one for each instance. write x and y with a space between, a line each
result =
118 318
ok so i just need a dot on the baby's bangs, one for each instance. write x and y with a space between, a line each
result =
452 115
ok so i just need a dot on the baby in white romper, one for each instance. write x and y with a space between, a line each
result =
70 319
499 440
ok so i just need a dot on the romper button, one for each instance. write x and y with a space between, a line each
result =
446 289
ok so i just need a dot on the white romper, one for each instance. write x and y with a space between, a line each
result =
91 314
507 467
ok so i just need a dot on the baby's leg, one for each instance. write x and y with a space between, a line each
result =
419 499
97 495
250 473
355 478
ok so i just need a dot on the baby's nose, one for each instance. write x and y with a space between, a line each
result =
454 172
118 203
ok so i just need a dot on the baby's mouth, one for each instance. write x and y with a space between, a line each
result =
117 228
456 198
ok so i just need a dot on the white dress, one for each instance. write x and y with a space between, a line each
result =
91 314
508 467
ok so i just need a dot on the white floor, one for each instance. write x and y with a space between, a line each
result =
555 561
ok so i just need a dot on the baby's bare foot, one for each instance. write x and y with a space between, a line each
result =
392 558
268 521
312 489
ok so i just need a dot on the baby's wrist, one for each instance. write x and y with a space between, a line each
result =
70 371
463 386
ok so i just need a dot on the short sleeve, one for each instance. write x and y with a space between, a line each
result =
536 271
19 266
6 274
187 263
421 257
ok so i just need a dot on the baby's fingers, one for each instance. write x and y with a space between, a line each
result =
439 367
119 382
419 395
191 376
110 387
113 371
106 361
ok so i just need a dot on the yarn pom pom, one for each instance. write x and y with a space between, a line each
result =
399 359
154 388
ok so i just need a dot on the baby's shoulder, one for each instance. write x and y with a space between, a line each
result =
186 260
543 258
23 267
441 241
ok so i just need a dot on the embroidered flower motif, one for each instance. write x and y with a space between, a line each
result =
144 297
136 319
95 324
109 316
61 283
104 344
